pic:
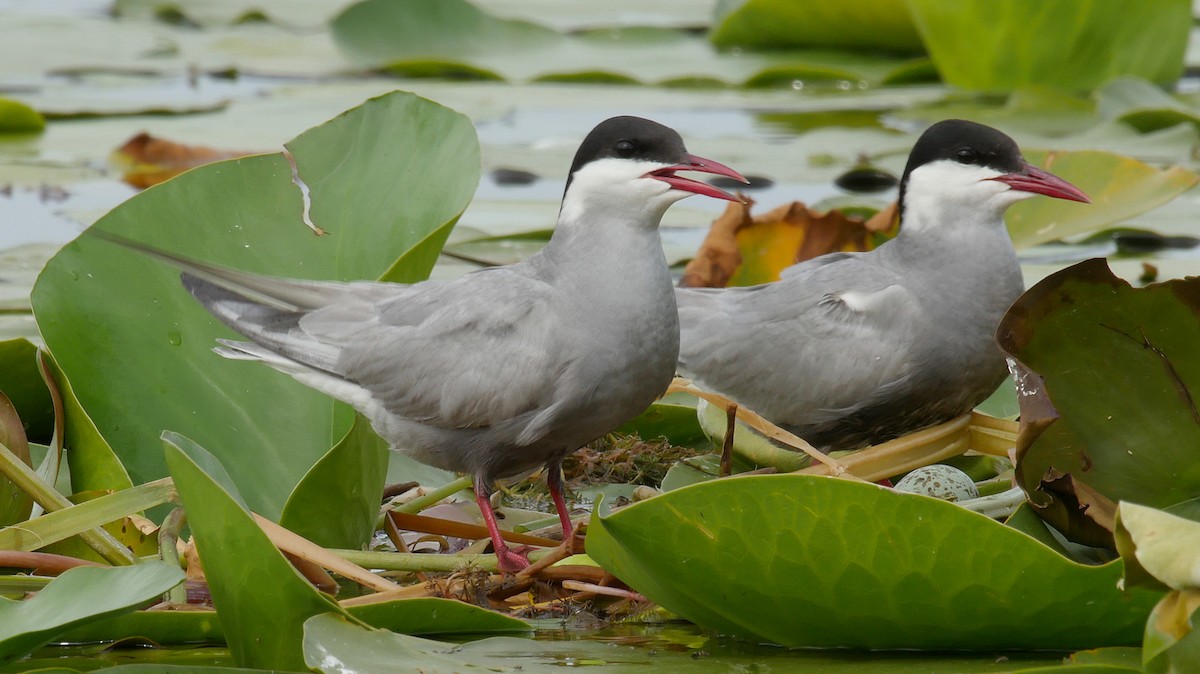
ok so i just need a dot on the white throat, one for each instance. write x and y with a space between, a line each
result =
615 190
945 194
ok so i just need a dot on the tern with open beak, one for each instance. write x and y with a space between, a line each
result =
849 349
507 369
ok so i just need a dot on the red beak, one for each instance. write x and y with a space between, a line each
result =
1033 179
693 163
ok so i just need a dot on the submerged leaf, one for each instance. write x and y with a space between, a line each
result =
1106 375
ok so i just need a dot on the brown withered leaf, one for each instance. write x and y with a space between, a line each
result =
743 249
146 160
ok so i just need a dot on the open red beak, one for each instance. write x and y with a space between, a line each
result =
693 163
1033 179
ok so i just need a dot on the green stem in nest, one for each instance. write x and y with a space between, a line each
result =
409 561
422 502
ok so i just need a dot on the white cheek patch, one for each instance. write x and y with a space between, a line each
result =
611 186
946 192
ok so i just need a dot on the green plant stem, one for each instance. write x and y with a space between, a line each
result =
422 502
23 584
168 550
408 561
29 482
48 498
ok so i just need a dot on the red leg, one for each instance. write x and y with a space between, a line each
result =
510 561
554 481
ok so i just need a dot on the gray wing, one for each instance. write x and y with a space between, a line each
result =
827 338
471 353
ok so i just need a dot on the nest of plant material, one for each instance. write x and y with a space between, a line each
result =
622 459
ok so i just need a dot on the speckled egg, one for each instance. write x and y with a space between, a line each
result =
939 481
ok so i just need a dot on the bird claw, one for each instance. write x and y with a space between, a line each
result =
513 561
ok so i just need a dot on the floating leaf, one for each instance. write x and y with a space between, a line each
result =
819 562
145 160
779 24
673 419
741 249
146 334
1142 105
1077 45
1106 381
454 38
76 597
18 118
1120 188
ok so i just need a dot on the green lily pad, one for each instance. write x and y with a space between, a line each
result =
1074 45
1106 407
18 118
778 24
1120 188
455 37
297 13
1142 105
144 362
76 597
333 645
819 562
675 421
261 599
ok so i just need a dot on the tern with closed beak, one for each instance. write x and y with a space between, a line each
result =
504 370
849 349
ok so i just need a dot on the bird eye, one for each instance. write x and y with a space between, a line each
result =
626 148
967 156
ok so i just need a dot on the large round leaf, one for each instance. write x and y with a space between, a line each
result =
820 562
387 181
1108 407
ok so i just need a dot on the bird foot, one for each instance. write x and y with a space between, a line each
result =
513 561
